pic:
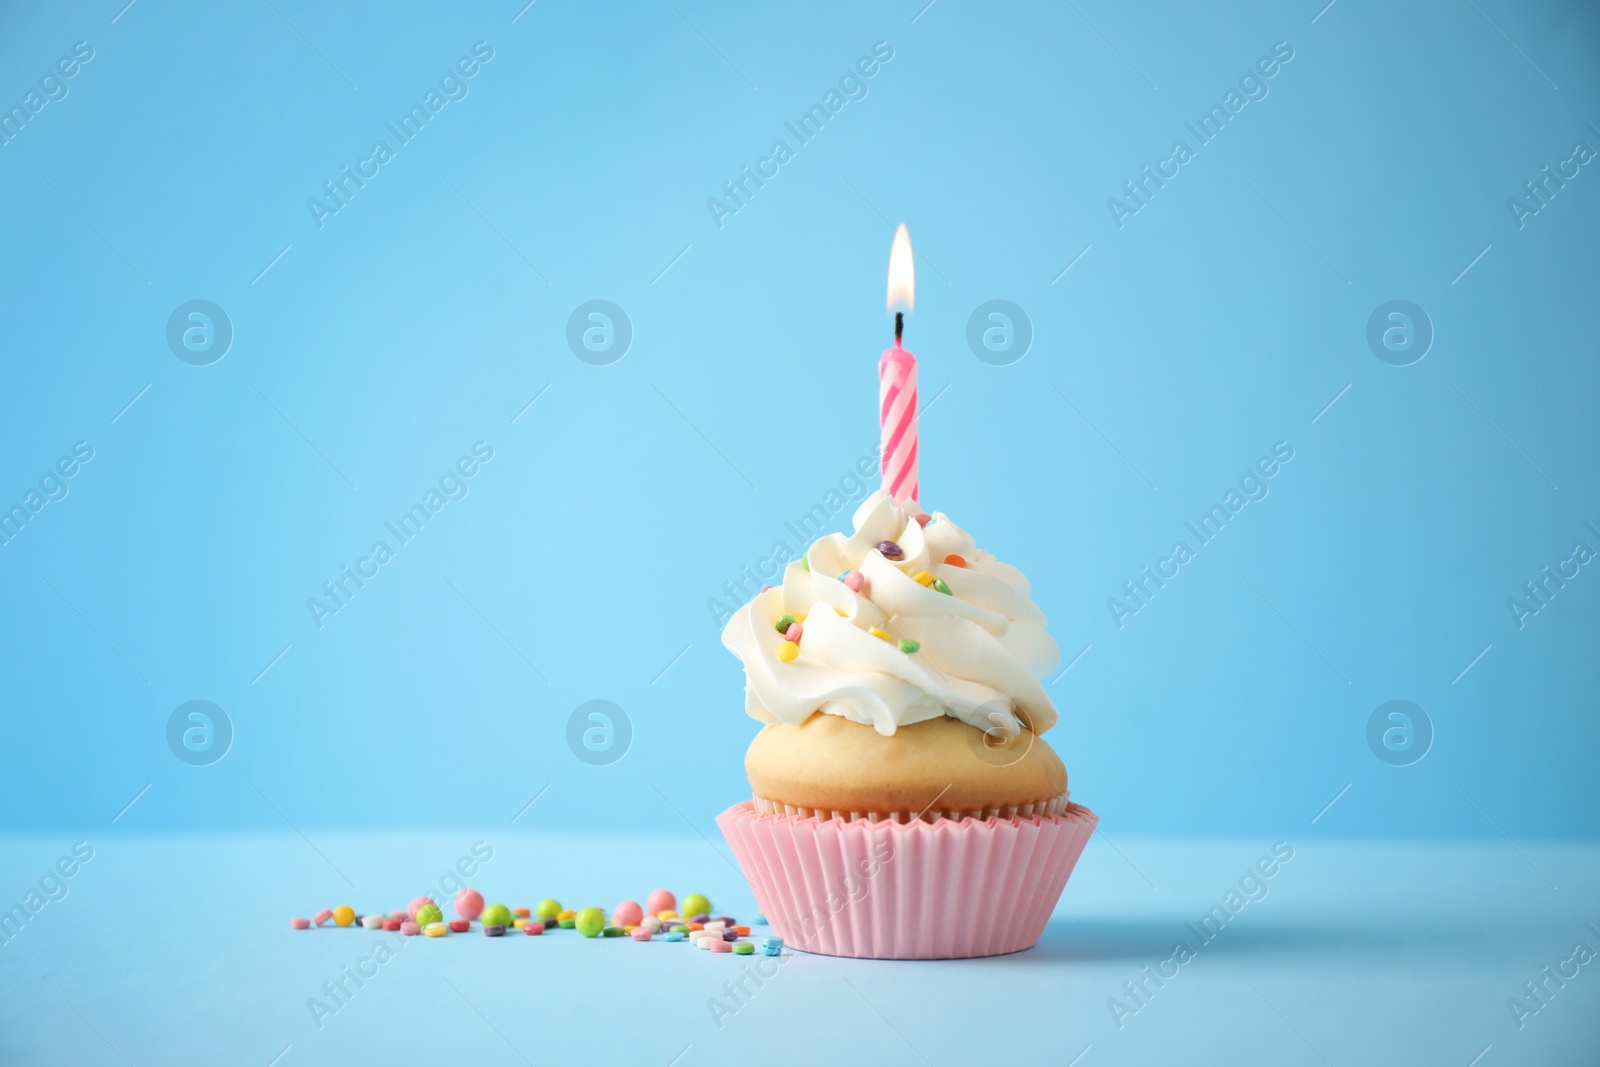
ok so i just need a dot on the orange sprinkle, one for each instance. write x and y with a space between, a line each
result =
696 926
742 931
955 560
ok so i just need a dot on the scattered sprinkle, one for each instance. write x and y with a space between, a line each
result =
891 550
938 583
787 651
955 560
909 646
784 622
879 634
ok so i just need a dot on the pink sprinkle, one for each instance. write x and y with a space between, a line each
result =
323 916
641 933
391 925
793 632
923 518
459 926
721 946
533 928
854 580
299 924
763 589
410 929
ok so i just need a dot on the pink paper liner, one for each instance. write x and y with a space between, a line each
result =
945 889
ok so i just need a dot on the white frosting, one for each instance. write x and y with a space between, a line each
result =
984 645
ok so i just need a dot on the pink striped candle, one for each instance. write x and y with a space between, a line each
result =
897 380
897 411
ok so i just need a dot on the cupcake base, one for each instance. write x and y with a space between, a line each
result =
948 889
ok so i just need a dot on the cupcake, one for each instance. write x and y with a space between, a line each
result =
900 776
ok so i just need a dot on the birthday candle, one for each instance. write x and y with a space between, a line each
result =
897 380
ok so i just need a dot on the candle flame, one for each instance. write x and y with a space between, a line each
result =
902 273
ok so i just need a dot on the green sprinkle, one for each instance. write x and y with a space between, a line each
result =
744 948
938 583
909 646
784 622
678 930
613 931
806 563
566 924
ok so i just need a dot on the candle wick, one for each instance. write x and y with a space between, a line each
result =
899 325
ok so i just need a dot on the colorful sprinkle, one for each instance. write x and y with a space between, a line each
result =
322 916
436 929
391 925
522 913
923 518
909 646
938 583
730 935
666 914
743 931
469 903
853 580
590 922
787 651
922 578
794 632
460 926
494 930
771 946
891 550
879 634
567 924
744 948
410 929
372 922
673 935
613 931
566 913
299 924
640 933
344 915
719 946
533 928
955 560
784 622
806 563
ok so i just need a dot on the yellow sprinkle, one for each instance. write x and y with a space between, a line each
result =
567 914
922 578
843 613
879 634
665 915
788 651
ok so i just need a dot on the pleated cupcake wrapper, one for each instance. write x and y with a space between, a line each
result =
948 889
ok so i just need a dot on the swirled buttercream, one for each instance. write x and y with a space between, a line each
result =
980 651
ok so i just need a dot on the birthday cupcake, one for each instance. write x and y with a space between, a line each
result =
901 775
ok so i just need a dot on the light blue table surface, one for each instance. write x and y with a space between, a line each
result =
177 950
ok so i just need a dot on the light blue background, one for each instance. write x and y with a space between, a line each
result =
1228 315
422 318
